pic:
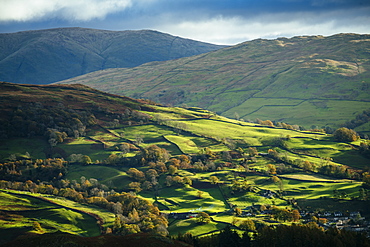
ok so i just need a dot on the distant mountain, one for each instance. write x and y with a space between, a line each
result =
309 80
45 56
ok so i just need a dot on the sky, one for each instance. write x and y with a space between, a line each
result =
225 22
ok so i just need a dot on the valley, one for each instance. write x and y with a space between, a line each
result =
148 168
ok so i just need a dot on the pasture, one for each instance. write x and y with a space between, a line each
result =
20 211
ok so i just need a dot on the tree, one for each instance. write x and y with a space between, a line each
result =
136 174
86 160
308 166
130 229
151 173
160 167
237 211
154 153
252 151
37 227
172 169
113 159
275 179
296 215
229 238
169 181
346 135
117 208
125 147
187 180
200 194
214 179
271 169
203 218
147 185
136 186
248 225
177 180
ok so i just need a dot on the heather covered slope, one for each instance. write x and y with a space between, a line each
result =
312 80
45 56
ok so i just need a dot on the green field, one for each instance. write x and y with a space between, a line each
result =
305 113
212 164
21 210
19 146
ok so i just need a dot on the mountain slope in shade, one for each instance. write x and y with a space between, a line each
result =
45 56
309 80
63 239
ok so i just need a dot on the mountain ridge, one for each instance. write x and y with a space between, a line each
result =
258 79
45 56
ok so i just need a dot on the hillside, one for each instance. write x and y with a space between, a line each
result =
45 56
60 239
314 80
80 161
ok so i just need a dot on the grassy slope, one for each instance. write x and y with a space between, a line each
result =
205 129
21 209
303 80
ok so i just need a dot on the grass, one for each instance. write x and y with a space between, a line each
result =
303 189
203 129
85 146
308 113
188 201
191 226
21 210
34 198
186 145
252 135
19 146
113 177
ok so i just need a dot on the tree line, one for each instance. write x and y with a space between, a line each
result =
295 235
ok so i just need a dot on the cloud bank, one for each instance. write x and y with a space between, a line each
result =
232 30
74 10
215 21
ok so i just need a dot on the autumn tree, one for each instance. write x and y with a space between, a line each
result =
346 135
154 153
136 174
271 169
136 186
37 227
160 167
252 151
296 215
214 179
151 174
237 211
203 218
200 194
184 161
187 180
172 170
125 147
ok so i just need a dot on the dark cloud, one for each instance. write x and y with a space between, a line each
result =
221 21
